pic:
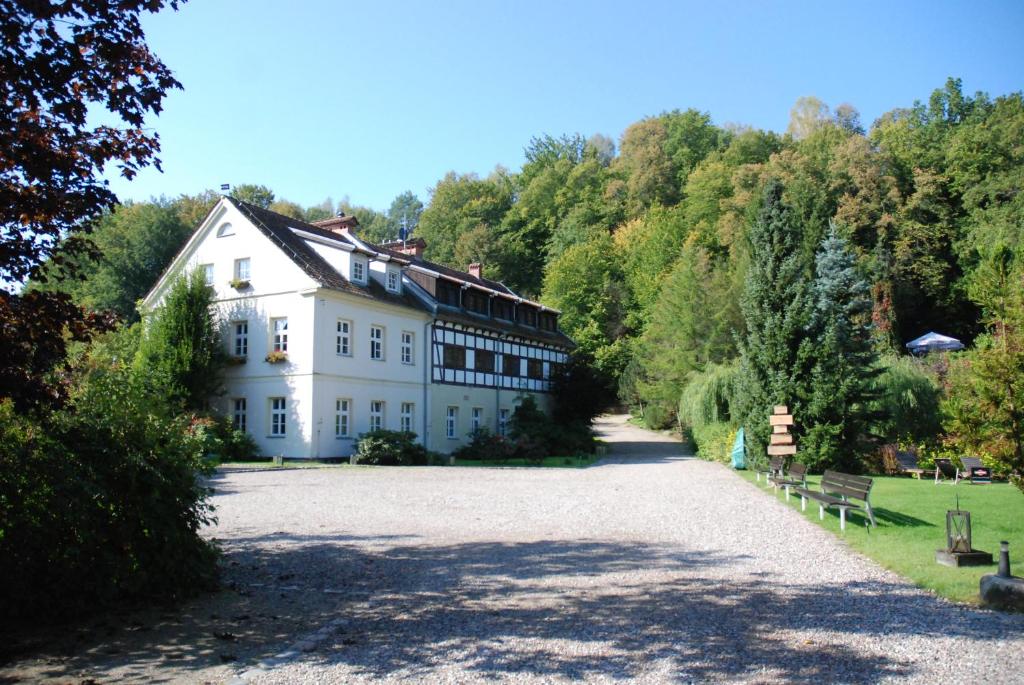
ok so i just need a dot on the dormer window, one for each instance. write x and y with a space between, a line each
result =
475 301
503 309
358 271
393 280
448 293
225 230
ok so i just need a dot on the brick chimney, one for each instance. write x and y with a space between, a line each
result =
475 268
413 248
342 223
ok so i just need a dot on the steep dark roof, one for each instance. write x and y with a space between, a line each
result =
444 270
278 228
511 327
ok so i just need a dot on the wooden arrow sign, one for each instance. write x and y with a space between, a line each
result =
780 450
782 439
780 429
780 409
781 420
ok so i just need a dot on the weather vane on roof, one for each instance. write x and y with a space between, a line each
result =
403 230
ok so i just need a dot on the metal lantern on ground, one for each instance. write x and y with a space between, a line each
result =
958 531
958 551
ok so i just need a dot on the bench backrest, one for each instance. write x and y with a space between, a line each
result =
848 485
945 467
797 471
775 464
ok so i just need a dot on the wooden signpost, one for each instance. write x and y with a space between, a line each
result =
781 440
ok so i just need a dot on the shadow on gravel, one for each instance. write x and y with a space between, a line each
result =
577 610
644 452
501 610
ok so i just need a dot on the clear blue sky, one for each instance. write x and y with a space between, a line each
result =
318 99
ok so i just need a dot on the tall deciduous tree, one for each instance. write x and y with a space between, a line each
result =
460 204
985 408
254 194
585 284
404 214
136 243
58 61
774 354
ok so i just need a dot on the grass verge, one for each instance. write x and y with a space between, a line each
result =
576 462
911 517
270 466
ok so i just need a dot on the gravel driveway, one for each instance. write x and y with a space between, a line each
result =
647 567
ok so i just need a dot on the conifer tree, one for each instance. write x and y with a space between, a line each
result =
692 325
837 414
775 353
181 352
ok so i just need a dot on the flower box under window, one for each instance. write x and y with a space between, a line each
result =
239 283
237 360
277 357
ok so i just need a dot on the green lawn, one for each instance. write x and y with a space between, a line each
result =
911 516
551 462
556 462
269 464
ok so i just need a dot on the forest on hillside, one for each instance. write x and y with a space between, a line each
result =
649 249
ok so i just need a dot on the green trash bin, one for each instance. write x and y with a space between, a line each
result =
739 452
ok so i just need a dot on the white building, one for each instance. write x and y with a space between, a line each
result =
332 336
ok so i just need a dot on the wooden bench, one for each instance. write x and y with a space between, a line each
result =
837 489
775 465
796 477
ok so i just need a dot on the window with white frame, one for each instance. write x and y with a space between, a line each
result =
278 416
343 342
377 342
477 419
238 414
280 327
242 269
503 422
241 345
358 270
451 423
225 230
207 273
408 339
407 416
376 415
393 280
343 418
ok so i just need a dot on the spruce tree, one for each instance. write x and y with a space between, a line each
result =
775 359
837 415
181 352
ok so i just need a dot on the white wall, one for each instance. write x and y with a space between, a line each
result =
465 398
358 377
275 284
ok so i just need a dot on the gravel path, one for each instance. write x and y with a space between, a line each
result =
648 567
